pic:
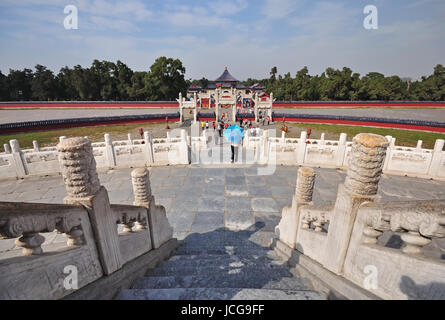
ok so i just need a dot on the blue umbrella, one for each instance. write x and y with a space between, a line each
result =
234 134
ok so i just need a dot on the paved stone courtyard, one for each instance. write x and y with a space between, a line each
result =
199 200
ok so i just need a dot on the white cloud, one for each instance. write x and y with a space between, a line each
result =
276 9
194 19
226 7
133 9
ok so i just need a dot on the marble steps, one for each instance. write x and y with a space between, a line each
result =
257 255
231 250
244 272
224 261
270 272
249 280
219 294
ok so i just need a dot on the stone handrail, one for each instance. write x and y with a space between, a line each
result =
94 246
419 222
36 274
25 221
349 247
415 269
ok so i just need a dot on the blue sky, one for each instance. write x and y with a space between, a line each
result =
249 36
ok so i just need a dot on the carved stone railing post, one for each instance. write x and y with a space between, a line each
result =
341 151
19 162
264 154
305 185
7 148
130 139
419 146
361 184
83 187
148 138
322 139
141 187
388 154
287 229
109 151
160 229
184 149
35 145
436 158
365 164
301 148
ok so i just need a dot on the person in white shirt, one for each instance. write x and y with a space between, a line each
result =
234 146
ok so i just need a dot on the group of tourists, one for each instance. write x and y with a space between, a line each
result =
223 123
220 126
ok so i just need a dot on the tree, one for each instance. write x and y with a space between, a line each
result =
18 84
136 90
105 80
65 85
4 95
273 74
302 87
43 84
123 74
85 83
165 79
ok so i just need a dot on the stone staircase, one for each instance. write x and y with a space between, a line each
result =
222 265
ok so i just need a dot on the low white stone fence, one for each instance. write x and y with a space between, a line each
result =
94 248
15 162
344 238
413 162
263 149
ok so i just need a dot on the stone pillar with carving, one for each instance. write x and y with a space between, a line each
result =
361 185
365 164
287 229
35 146
436 159
160 229
7 148
264 151
341 151
82 184
184 149
149 153
301 148
18 158
109 151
